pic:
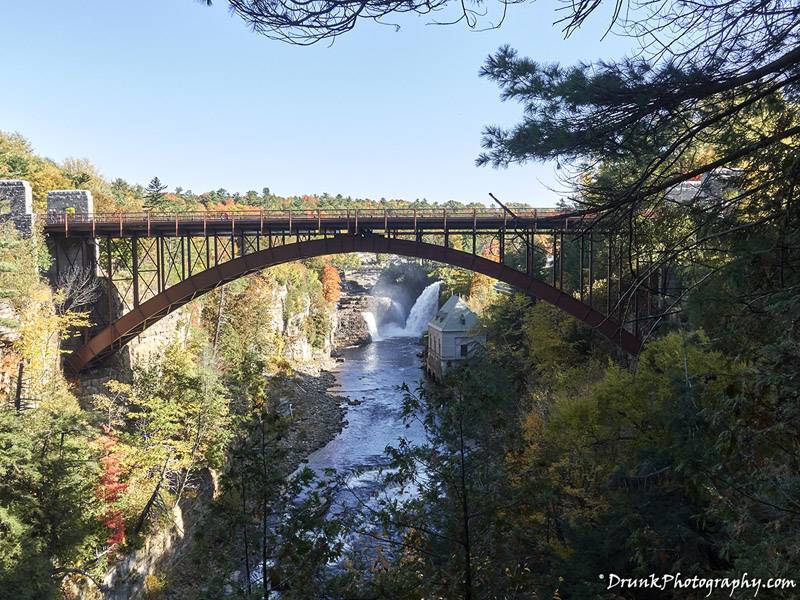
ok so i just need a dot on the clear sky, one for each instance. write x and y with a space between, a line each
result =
174 89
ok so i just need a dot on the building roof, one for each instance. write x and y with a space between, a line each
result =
454 315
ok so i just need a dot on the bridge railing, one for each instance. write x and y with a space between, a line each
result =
299 215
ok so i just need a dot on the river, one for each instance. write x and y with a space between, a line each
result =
371 376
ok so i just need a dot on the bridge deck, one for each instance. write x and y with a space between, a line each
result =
126 224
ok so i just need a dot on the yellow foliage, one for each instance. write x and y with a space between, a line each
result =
44 177
154 586
40 333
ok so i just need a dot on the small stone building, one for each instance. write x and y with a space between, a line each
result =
452 336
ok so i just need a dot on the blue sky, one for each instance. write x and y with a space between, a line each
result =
174 89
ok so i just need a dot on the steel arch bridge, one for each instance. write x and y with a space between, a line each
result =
155 263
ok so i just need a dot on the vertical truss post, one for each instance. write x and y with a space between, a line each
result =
110 278
529 251
474 231
93 255
503 236
189 255
164 264
555 256
502 246
183 258
135 269
444 227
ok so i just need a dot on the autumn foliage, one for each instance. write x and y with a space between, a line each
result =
111 487
331 283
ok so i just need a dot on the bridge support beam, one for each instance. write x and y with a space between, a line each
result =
136 320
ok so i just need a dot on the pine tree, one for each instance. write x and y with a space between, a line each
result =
154 194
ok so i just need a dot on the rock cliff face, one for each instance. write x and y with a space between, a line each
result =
386 291
298 348
351 329
148 344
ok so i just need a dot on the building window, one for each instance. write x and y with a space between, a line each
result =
464 350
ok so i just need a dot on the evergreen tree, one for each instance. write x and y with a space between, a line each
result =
154 194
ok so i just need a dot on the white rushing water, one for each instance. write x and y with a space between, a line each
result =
372 325
421 313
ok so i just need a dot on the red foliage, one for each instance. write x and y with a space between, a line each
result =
111 488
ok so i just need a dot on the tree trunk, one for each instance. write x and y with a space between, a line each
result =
465 510
244 527
219 320
143 516
265 579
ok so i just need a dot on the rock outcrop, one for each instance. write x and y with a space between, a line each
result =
351 327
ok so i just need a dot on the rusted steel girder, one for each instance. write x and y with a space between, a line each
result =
137 320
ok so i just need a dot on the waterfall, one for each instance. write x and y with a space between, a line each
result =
422 312
372 326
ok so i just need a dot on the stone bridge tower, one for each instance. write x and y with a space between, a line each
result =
67 253
16 204
71 253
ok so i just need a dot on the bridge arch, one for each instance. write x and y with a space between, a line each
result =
131 324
